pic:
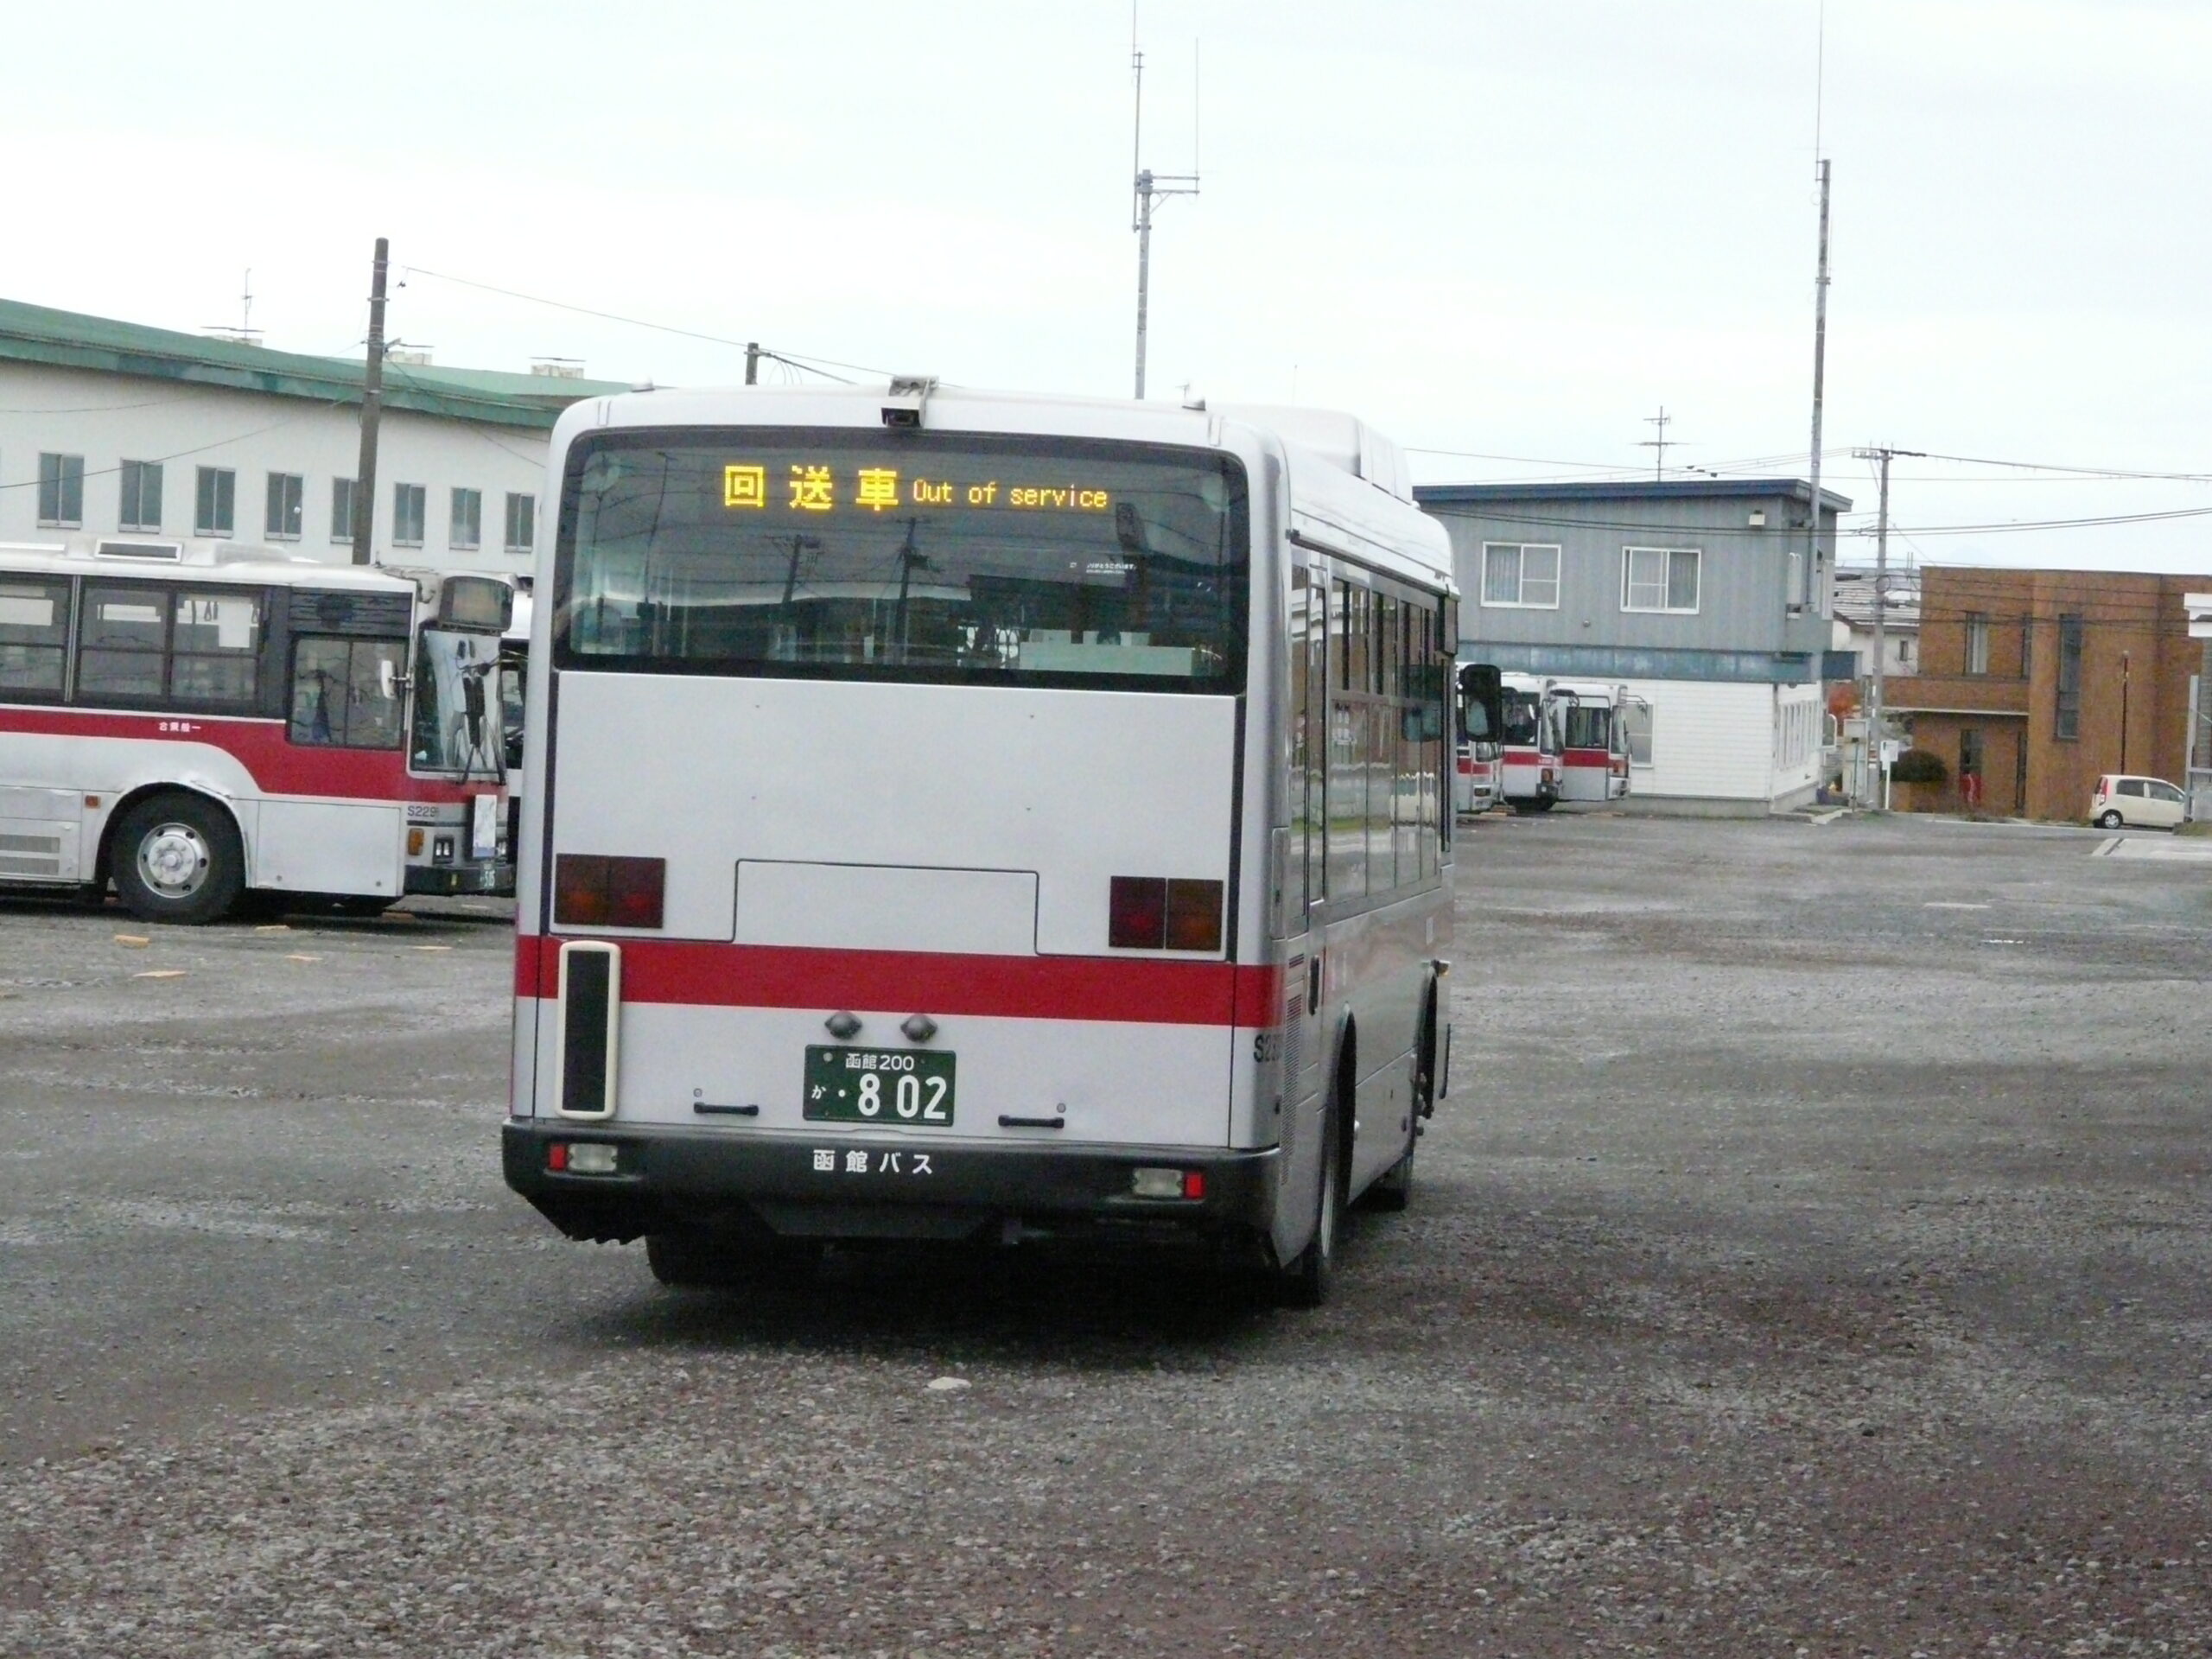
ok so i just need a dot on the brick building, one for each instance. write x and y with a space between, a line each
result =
2034 682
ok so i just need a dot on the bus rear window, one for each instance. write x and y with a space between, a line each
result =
953 558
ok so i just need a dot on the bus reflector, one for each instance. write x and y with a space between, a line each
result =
590 1023
593 891
1148 912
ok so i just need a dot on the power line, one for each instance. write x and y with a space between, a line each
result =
797 359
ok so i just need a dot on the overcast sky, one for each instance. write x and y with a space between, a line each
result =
1512 229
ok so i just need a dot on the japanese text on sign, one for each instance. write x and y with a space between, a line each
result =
811 488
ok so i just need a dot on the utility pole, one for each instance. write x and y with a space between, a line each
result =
751 362
1149 187
1820 377
365 481
1885 455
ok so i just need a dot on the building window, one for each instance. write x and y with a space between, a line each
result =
142 495
1524 576
467 530
522 524
1977 642
2070 677
1904 652
1635 721
214 509
287 497
341 510
410 504
1659 579
62 491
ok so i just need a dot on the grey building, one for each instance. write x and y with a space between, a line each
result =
1709 598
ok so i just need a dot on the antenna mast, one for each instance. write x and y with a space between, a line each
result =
1660 444
1150 187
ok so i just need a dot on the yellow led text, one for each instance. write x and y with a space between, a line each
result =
878 488
811 489
1070 498
745 487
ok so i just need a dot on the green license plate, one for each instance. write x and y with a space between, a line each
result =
879 1085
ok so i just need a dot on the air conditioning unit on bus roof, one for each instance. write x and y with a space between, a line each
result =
1342 440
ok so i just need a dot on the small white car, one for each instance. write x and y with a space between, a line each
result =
2137 802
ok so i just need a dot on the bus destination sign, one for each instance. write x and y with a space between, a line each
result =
810 488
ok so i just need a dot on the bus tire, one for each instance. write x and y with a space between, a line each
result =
1306 1283
176 857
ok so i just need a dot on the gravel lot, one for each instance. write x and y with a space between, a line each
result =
1811 1259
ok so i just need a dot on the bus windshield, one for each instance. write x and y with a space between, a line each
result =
456 712
1521 716
954 559
1588 726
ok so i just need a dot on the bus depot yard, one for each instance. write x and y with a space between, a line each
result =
1811 1258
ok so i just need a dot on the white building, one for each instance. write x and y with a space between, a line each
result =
110 428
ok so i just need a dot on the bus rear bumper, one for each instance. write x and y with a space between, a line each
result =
794 1184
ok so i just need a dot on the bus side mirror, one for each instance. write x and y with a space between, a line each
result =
387 679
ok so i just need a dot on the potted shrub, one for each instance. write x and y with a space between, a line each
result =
1917 781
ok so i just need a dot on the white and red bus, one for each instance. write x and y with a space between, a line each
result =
1593 722
204 724
1477 779
973 817
1530 762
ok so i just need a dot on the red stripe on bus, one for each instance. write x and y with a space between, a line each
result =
1588 757
1149 991
263 747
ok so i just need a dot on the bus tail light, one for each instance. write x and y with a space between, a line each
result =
593 891
414 843
1146 912
1164 1184
588 1029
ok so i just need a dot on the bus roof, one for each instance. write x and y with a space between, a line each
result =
204 557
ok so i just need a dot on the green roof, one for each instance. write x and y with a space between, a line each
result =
36 334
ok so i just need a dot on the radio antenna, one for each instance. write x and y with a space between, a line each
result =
1151 188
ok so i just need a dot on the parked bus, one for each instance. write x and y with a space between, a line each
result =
1475 780
1530 764
204 724
1592 720
973 817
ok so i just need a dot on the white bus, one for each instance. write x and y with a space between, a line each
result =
1530 764
1592 720
1478 779
207 725
971 817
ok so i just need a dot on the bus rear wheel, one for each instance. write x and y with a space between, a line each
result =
177 858
1306 1281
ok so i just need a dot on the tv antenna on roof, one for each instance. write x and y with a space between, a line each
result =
245 334
1151 187
1659 445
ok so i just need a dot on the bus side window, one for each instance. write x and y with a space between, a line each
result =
34 637
346 693
122 643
